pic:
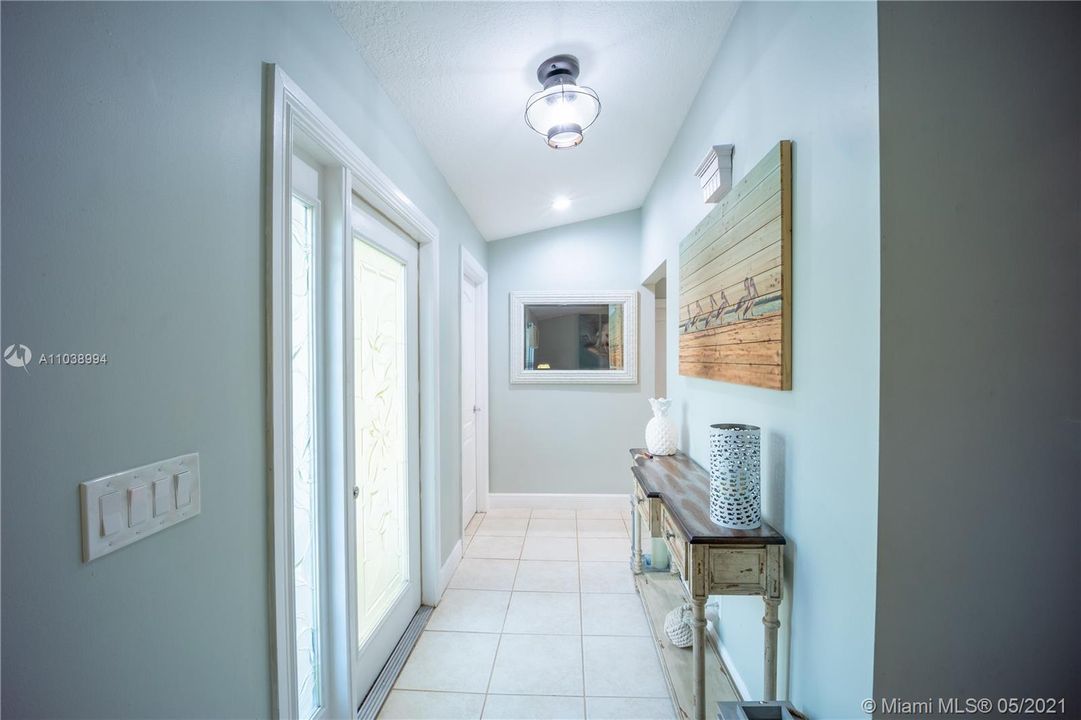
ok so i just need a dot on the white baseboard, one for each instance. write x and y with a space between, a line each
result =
733 673
558 501
447 571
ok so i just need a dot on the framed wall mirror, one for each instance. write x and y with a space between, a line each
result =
574 338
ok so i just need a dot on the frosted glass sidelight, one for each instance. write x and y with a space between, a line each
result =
381 417
302 426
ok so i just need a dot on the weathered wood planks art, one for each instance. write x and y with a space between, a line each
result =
735 282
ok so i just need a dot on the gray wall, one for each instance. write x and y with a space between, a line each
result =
979 539
805 72
132 226
565 438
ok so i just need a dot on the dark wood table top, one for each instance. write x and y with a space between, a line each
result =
683 486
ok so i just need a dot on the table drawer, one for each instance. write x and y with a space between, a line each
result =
737 570
677 544
649 509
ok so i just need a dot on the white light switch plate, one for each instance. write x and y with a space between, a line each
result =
96 543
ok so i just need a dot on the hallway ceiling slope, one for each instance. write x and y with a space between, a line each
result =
461 72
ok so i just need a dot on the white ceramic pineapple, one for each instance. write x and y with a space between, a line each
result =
661 430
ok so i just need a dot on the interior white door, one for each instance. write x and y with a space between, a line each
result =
383 458
469 402
661 349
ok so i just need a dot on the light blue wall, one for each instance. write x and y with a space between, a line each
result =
132 140
565 438
805 72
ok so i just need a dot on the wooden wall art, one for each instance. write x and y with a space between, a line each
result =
735 282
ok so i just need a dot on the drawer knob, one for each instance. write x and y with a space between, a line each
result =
669 534
640 500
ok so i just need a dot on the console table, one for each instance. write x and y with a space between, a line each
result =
671 497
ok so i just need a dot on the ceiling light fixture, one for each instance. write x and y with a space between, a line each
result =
563 109
561 203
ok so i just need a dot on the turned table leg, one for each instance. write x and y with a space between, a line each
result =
698 626
771 623
636 538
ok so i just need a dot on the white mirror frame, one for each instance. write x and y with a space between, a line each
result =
627 376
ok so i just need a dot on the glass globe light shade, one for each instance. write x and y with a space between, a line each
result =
562 112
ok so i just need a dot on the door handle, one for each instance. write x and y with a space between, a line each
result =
476 408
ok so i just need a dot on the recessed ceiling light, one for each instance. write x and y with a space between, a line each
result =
563 109
561 203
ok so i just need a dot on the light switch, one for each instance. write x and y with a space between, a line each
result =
112 513
132 505
138 505
163 496
183 489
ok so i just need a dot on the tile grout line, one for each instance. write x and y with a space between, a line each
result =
481 632
499 640
581 615
526 694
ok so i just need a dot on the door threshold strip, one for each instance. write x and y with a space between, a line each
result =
373 701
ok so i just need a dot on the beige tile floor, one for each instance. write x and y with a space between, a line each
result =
541 621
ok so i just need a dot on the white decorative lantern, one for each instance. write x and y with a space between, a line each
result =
735 482
661 430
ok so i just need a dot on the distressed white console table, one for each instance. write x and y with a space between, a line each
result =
671 497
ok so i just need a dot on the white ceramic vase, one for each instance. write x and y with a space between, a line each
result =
661 430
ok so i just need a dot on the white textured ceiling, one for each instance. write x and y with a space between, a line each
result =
462 71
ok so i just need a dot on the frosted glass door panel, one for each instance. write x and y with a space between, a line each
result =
382 449
383 457
305 487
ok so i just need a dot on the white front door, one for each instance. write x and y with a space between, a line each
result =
383 459
469 402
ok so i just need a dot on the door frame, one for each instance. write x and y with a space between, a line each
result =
293 117
473 272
